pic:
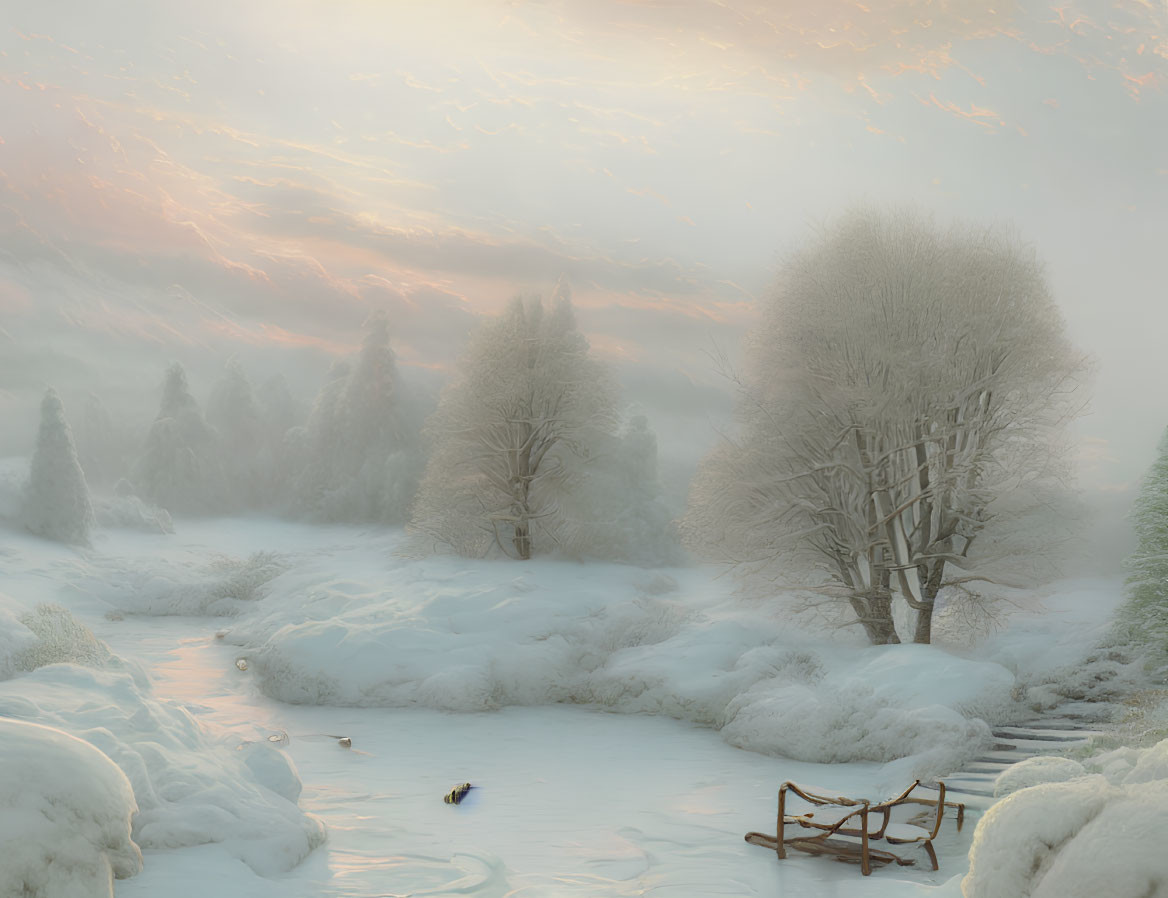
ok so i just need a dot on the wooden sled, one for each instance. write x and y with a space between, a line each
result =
844 828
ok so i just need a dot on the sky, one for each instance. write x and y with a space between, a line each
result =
192 182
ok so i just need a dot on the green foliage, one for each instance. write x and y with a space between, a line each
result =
1144 617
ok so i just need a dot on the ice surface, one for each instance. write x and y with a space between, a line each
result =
65 813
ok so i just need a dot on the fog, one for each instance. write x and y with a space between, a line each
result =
199 184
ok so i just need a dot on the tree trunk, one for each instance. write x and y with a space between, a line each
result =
522 540
924 628
874 613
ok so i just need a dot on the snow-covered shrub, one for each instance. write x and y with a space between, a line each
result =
221 588
1094 833
178 469
65 812
56 502
59 639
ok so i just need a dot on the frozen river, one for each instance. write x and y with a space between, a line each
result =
567 801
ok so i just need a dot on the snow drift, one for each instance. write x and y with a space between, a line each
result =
1098 831
190 787
474 636
65 812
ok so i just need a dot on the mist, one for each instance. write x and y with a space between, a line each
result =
390 355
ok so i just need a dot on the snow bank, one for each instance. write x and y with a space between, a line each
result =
1099 831
190 788
473 636
131 513
65 812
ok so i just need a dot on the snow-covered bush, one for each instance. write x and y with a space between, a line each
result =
178 469
59 639
1089 833
56 502
362 456
220 588
65 812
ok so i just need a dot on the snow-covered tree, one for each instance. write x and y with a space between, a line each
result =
234 414
363 458
907 384
512 433
178 468
1145 612
56 500
100 449
615 510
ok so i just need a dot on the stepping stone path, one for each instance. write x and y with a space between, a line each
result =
973 784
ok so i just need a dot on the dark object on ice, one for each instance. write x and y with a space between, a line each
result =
457 794
241 663
845 827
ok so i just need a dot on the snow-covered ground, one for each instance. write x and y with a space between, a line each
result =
505 674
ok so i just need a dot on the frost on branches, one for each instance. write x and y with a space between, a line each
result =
527 456
56 500
900 422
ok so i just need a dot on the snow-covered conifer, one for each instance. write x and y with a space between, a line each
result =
234 414
56 500
512 432
614 509
99 448
177 468
1145 612
363 457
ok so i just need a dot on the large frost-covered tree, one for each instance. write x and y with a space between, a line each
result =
363 460
512 433
178 468
1146 609
56 500
905 393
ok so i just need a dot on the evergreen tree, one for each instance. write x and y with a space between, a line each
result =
56 501
363 457
177 469
1145 614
